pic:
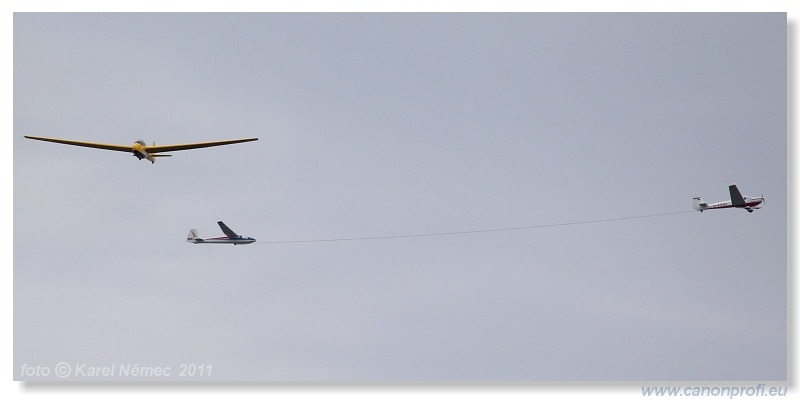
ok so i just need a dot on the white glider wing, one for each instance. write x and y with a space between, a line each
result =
227 230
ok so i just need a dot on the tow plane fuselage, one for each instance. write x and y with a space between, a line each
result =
737 201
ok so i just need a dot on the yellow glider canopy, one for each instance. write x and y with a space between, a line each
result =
140 149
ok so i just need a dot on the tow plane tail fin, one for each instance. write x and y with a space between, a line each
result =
699 204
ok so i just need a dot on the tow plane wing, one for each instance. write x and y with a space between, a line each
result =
736 196
140 149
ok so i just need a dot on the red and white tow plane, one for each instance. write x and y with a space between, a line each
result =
737 200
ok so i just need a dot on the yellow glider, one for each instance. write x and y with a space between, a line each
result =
140 149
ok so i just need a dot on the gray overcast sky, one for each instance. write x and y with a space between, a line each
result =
392 124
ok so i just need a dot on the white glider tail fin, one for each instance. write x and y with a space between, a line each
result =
193 237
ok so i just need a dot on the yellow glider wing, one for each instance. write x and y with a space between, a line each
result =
176 147
151 149
114 147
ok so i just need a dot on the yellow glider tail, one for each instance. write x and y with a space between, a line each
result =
139 149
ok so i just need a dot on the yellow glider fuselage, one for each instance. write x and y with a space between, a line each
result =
139 149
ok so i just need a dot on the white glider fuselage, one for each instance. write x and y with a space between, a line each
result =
235 241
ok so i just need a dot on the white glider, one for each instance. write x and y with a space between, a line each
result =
231 237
